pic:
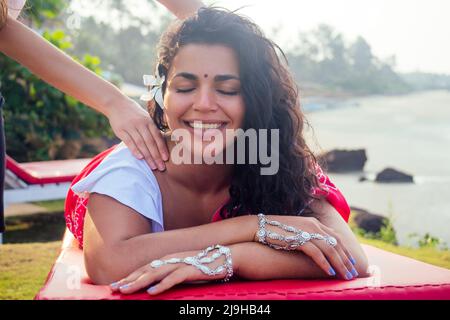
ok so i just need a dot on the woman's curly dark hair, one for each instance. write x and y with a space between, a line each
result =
271 102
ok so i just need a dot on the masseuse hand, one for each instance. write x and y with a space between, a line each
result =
158 280
332 260
134 126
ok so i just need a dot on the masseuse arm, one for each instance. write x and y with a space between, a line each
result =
181 8
131 123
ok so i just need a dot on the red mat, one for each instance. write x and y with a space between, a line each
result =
393 277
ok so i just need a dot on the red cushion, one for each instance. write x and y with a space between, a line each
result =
393 277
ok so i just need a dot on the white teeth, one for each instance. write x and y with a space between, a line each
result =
199 125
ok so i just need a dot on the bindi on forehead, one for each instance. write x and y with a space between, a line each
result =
205 75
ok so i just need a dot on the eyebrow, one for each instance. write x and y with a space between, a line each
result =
218 78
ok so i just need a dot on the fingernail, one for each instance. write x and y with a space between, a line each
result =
352 260
114 285
161 166
354 272
165 156
348 276
153 166
151 289
332 272
125 286
139 156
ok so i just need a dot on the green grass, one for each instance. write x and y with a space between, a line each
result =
40 227
32 244
51 205
428 254
24 268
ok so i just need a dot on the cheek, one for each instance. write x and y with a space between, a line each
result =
237 113
175 107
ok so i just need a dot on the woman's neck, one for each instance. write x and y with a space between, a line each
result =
202 178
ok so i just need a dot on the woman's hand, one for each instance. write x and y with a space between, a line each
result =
158 280
331 259
134 126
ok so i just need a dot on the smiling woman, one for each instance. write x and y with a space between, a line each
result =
221 73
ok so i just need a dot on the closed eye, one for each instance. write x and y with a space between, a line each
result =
184 90
228 93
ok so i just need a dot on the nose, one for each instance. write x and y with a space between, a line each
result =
205 100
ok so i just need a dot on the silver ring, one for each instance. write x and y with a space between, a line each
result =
317 236
331 241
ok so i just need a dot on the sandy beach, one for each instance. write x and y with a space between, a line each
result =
410 133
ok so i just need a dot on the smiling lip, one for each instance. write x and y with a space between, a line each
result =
205 124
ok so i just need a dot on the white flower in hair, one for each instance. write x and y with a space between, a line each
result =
155 85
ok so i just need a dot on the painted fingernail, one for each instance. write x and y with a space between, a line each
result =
332 272
352 260
348 276
125 286
354 272
151 289
114 285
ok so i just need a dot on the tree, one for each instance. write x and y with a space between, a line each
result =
42 123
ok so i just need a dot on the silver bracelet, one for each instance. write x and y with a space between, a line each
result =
292 242
201 259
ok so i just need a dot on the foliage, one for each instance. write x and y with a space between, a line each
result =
127 51
428 240
40 11
322 56
386 234
125 41
42 123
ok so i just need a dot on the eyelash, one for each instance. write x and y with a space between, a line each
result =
234 93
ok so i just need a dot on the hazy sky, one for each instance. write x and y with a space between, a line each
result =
416 31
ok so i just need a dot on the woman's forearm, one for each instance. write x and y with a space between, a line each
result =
110 256
53 66
259 262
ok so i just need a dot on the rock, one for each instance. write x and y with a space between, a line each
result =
367 221
344 160
390 175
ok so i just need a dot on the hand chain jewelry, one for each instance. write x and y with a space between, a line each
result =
292 242
199 260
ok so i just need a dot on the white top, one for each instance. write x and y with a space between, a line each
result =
128 180
14 7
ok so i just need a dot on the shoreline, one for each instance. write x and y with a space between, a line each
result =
406 132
